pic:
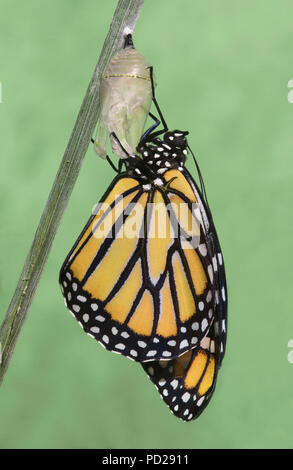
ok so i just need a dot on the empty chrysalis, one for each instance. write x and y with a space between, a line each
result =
126 97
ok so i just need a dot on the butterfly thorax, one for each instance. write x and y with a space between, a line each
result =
156 156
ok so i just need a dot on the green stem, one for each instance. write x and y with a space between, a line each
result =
125 16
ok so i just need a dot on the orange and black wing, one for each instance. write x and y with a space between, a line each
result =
140 279
187 382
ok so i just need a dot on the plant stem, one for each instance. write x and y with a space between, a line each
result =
125 16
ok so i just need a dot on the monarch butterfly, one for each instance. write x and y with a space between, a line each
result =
157 297
142 295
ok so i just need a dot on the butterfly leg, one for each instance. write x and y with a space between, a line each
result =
148 132
112 164
112 134
109 160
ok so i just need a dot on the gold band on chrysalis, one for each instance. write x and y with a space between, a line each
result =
119 75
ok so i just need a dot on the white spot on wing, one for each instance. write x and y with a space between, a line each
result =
105 339
151 353
183 344
100 318
204 324
215 265
202 249
166 354
185 397
210 273
174 384
95 329
200 401
223 294
85 317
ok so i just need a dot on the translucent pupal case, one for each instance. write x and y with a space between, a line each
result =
126 97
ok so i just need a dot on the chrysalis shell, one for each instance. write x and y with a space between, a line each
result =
126 97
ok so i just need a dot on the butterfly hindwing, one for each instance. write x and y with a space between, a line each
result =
186 383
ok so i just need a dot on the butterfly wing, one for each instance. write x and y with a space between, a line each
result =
103 262
220 285
140 294
187 382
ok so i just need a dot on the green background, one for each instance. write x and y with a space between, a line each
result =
223 69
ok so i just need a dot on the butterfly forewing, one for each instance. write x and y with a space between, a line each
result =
139 290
